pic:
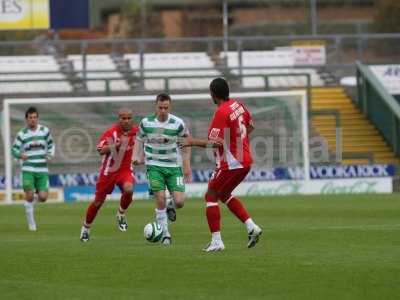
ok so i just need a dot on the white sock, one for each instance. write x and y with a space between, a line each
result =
29 213
162 219
169 199
216 236
28 207
250 224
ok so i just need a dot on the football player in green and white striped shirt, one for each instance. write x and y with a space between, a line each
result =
166 168
33 146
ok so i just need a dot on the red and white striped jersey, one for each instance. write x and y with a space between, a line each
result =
121 157
230 123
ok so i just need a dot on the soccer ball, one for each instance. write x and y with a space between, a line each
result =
152 232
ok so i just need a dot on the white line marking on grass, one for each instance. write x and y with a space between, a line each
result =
358 227
337 227
31 239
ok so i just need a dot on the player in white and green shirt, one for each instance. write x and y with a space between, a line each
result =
33 146
166 168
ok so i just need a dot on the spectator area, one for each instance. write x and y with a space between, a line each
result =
189 64
99 67
184 70
26 69
270 62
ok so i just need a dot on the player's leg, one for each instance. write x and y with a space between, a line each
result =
124 202
94 206
43 195
28 184
157 185
213 213
169 202
238 209
171 207
175 201
104 186
91 213
125 183
161 216
176 186
42 186
233 179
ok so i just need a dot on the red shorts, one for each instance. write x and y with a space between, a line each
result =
225 181
106 184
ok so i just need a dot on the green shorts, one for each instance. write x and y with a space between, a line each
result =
32 181
161 178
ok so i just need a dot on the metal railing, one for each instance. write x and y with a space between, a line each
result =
130 76
342 50
378 105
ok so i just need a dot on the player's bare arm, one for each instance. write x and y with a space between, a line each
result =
108 148
104 150
203 143
187 170
138 153
250 128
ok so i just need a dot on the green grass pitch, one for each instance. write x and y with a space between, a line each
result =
325 247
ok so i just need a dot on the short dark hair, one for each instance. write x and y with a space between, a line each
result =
31 110
163 97
220 88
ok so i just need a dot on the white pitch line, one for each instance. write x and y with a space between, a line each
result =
359 227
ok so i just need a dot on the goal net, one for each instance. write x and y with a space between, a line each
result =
278 142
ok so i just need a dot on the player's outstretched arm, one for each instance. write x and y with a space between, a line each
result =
104 150
190 142
138 153
187 170
250 128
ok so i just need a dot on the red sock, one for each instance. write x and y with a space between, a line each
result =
237 208
91 213
213 214
126 200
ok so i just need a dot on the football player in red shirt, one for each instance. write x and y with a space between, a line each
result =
228 134
115 146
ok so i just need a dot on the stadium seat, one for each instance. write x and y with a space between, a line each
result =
23 69
99 67
267 63
175 64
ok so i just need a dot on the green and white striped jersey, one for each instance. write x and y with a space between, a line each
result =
37 145
160 140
